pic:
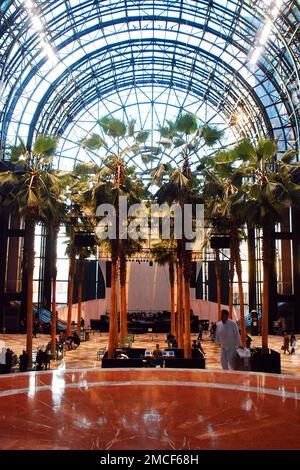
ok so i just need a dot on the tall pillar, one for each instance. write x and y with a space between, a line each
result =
286 258
251 269
296 266
273 301
45 285
3 249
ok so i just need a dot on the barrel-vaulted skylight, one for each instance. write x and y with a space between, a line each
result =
66 63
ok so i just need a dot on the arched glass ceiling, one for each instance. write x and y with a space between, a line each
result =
148 60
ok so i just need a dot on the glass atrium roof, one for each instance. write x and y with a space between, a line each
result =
66 63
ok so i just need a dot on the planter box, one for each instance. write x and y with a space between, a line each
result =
266 361
120 363
193 363
178 352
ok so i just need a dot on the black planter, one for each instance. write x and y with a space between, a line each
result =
265 360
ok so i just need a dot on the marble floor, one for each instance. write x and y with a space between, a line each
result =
78 405
86 355
144 409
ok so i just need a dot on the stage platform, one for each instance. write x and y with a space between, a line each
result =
148 409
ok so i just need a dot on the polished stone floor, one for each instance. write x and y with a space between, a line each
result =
86 354
148 409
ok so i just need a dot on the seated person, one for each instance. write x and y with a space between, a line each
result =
62 337
157 352
122 356
76 339
170 339
24 361
197 345
157 356
248 341
39 360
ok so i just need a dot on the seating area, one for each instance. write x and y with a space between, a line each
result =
149 230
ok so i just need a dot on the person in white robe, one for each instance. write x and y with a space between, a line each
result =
228 336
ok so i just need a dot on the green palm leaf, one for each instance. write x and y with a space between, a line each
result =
186 123
142 136
113 127
94 142
45 145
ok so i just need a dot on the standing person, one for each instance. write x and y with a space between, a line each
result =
8 360
24 361
293 342
213 329
227 334
200 332
286 343
82 323
157 356
35 328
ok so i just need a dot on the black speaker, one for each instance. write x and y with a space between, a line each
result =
212 282
193 280
84 239
220 242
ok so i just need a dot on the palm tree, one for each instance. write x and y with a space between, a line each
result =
222 190
76 187
272 186
112 181
164 253
32 188
128 248
71 252
185 137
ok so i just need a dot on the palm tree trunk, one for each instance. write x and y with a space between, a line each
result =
180 302
29 266
218 280
123 300
231 276
238 263
53 319
172 297
72 269
80 289
177 303
54 277
113 321
266 241
187 319
187 302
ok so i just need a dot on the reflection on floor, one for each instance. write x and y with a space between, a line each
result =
148 409
86 354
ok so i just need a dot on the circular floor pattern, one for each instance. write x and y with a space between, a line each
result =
148 409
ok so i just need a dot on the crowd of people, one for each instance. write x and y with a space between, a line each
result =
289 341
226 333
43 356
